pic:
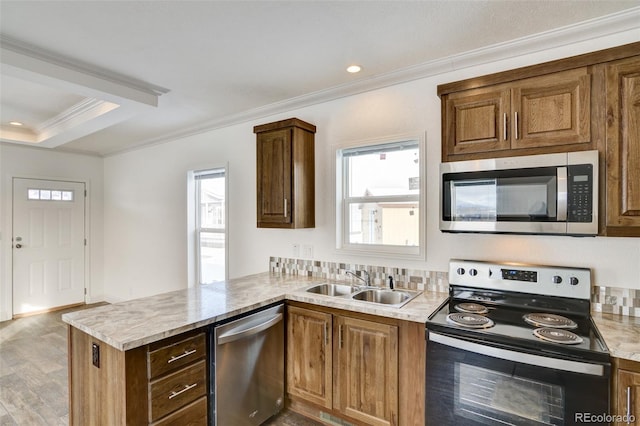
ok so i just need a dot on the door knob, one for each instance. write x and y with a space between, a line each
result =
18 246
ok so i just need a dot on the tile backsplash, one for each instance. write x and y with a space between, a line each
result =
411 279
616 300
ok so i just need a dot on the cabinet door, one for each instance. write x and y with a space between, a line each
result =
623 148
274 177
309 355
552 110
628 396
476 121
367 373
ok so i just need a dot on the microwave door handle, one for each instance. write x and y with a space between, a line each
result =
562 194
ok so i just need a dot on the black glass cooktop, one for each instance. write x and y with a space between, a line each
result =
509 329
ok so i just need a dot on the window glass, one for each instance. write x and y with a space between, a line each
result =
380 197
49 195
384 173
212 203
33 194
211 225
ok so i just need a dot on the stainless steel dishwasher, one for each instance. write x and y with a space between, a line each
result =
249 368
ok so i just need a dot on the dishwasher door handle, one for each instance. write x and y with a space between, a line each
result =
240 333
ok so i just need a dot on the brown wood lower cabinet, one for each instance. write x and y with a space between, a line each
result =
626 392
365 369
163 383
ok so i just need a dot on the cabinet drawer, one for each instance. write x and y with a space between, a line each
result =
177 389
194 414
176 355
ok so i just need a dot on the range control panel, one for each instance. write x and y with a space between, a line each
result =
525 278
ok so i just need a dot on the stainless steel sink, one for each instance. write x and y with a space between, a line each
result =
395 298
332 289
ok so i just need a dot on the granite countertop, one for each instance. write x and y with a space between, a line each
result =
620 333
130 324
137 322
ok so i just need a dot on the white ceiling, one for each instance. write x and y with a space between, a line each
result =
106 76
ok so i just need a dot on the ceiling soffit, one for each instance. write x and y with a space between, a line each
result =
105 98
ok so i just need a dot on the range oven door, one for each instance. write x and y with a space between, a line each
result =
473 383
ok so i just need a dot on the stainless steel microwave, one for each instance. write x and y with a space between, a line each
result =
535 194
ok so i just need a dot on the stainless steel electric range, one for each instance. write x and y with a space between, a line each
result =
515 345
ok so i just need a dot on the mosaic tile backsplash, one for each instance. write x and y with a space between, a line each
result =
616 300
411 279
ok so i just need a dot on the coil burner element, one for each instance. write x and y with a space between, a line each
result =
549 320
556 335
469 320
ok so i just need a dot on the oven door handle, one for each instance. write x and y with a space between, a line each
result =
526 358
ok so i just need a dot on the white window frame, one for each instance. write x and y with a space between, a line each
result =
343 245
194 189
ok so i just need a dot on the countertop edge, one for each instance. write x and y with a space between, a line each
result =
283 289
620 333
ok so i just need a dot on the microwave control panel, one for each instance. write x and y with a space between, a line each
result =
580 193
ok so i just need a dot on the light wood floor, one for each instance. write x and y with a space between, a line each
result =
33 374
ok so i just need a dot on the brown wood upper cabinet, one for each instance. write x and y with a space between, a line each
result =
285 174
623 148
538 114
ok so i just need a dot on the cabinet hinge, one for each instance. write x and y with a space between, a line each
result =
85 241
85 193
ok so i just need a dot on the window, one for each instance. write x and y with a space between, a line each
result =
380 198
49 195
210 188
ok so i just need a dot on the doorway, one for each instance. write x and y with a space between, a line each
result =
48 245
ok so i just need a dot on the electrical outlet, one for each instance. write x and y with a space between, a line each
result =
307 251
95 354
295 249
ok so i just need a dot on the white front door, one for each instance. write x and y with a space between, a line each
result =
48 244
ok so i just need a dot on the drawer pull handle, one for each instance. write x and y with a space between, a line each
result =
181 391
177 357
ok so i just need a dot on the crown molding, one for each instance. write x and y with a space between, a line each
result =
609 25
21 48
81 118
80 113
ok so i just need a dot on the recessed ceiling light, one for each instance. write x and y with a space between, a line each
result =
354 69
16 123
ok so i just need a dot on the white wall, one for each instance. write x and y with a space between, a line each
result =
28 162
145 194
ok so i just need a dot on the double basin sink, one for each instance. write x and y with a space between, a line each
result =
388 297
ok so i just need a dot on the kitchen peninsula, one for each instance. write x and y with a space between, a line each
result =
111 347
128 336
